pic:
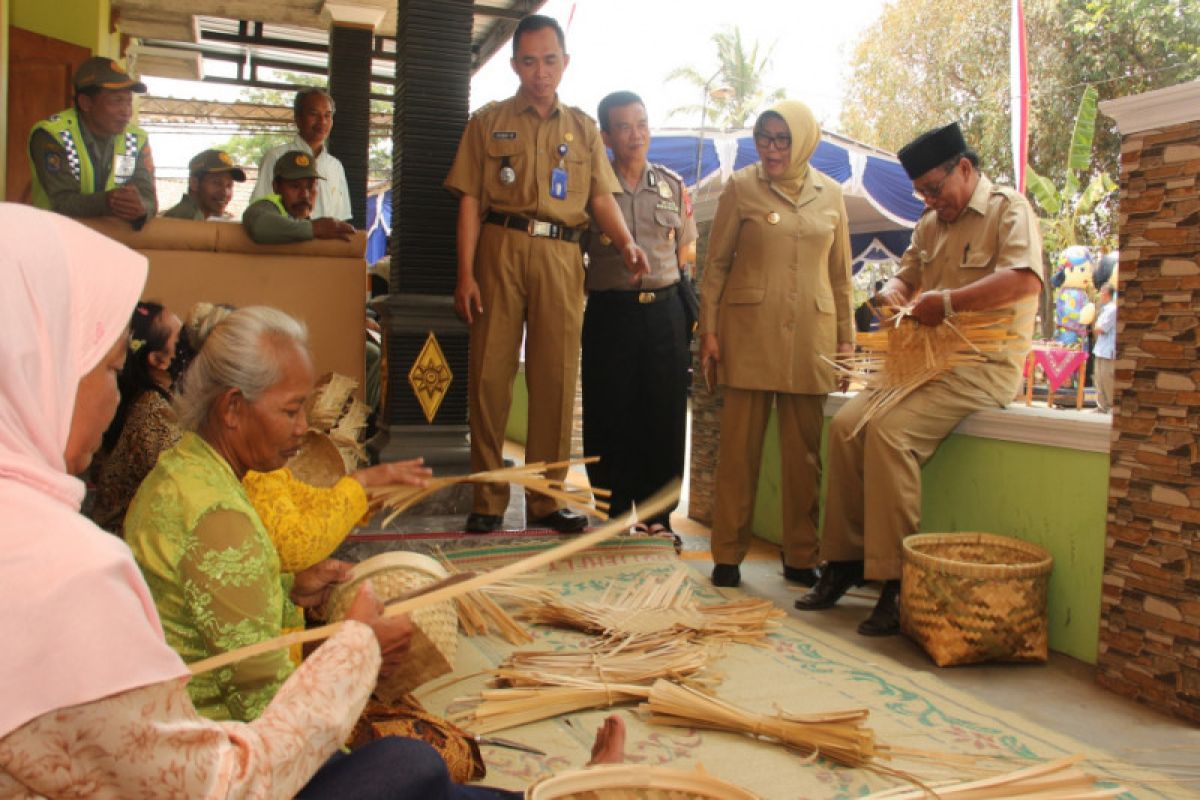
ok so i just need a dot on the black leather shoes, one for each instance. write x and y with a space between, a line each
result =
564 521
885 619
805 576
836 579
483 523
726 575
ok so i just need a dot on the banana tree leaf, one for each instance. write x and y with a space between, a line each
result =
1043 191
1085 132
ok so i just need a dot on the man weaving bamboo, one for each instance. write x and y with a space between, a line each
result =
976 248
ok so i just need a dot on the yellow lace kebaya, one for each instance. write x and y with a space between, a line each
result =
214 574
306 523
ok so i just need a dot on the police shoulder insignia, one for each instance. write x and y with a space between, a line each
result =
668 172
485 108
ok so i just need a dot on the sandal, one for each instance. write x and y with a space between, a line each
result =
639 529
658 529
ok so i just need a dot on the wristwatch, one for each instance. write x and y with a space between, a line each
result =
947 308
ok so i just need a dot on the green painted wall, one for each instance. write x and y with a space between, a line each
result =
81 22
1050 496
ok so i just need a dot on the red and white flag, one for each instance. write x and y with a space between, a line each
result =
1018 81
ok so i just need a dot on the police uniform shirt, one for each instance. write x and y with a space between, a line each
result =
50 159
266 224
658 219
997 230
512 134
333 194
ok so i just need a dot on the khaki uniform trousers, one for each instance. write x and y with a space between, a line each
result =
528 286
743 426
1103 376
874 495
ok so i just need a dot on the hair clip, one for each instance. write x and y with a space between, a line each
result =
136 344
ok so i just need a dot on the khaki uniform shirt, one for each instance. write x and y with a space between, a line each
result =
62 186
776 288
265 224
511 133
997 230
659 217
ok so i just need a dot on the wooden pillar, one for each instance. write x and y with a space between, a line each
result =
350 87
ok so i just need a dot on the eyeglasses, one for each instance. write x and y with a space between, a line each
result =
935 191
766 141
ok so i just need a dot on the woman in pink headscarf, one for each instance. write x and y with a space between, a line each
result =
92 700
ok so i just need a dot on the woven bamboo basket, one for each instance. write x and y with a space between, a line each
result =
435 638
318 462
972 597
635 782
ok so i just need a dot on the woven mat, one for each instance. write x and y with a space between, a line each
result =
800 670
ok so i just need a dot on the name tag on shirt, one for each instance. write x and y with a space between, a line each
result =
124 166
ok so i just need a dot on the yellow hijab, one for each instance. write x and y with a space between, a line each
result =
806 135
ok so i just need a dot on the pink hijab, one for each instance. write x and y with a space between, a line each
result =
77 622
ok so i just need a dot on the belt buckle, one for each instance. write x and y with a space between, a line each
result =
646 297
539 228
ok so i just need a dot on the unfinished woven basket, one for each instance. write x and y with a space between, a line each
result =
318 462
972 597
635 782
435 638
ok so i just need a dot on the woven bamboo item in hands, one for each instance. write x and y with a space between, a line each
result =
435 638
318 462
903 355
972 597
635 782
331 409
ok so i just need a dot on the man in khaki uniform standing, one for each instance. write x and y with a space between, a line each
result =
524 174
635 337
976 248
775 300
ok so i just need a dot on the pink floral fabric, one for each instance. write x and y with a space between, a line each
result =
150 742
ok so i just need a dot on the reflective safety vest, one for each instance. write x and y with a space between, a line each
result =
64 127
277 201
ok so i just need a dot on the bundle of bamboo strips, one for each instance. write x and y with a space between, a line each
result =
674 659
652 606
500 709
1054 780
840 736
903 356
532 477
479 614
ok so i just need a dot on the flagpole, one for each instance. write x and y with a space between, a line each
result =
1018 94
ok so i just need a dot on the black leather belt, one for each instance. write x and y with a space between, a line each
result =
535 227
640 298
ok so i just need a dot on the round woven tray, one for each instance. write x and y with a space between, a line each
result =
972 597
635 782
435 640
318 462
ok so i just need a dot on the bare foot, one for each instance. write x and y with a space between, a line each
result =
609 747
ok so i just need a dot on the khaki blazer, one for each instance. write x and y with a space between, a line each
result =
776 287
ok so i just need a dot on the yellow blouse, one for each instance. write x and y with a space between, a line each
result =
306 523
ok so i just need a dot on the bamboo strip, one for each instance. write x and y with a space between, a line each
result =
1060 779
659 502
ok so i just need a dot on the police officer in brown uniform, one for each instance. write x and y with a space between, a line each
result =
976 247
635 340
525 172
775 300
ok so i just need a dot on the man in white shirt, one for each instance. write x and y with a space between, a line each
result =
314 120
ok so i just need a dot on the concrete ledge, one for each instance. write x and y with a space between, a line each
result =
1073 430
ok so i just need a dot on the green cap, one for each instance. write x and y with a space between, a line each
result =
215 161
296 164
104 73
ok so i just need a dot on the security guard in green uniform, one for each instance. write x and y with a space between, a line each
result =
525 172
89 161
635 337
286 215
211 175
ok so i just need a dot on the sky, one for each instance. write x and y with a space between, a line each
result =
634 44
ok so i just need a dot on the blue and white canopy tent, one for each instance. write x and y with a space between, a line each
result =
879 196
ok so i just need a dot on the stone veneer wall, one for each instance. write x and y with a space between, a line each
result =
1150 606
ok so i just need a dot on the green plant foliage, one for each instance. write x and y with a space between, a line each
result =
739 77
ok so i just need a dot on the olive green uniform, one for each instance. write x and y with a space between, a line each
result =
56 168
186 208
874 497
777 292
267 222
527 284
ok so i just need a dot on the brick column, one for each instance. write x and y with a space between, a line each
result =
1150 605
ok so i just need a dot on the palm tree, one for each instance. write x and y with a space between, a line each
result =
740 78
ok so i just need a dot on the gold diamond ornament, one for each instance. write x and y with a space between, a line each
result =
430 377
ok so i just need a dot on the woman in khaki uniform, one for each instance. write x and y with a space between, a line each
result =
775 298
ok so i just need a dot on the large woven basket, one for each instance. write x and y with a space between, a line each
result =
635 782
972 597
435 638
